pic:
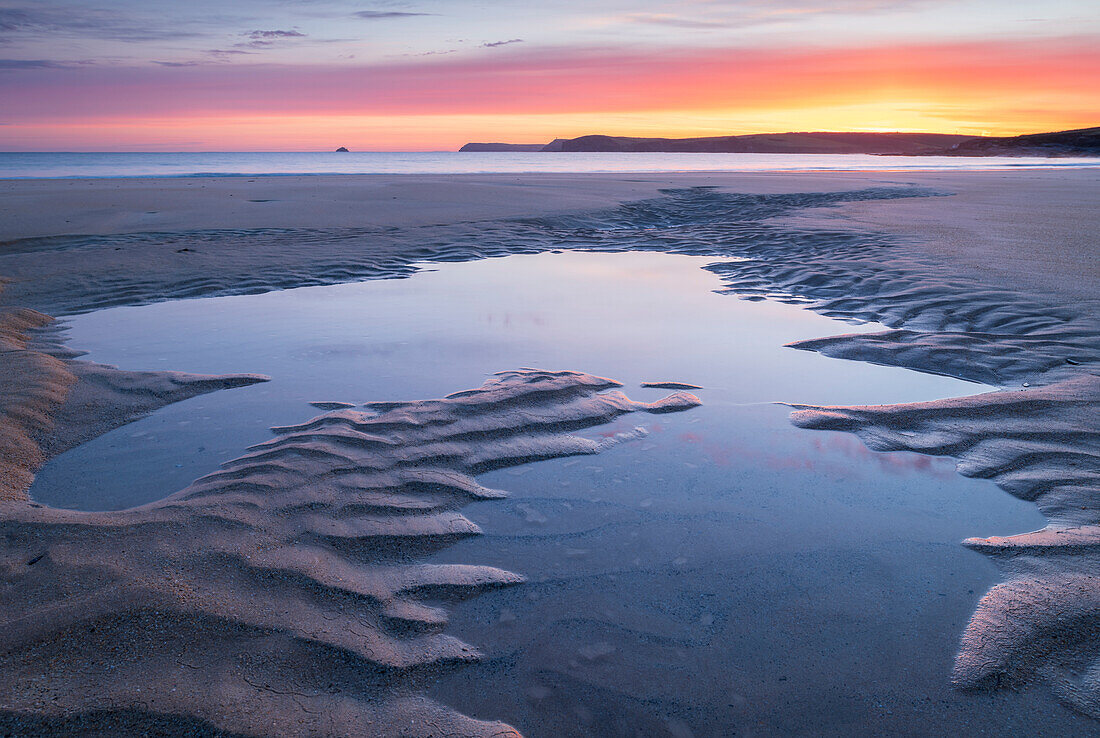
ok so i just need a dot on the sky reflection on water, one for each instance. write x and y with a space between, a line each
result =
784 572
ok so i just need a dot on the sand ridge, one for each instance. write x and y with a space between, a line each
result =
1037 440
1041 445
284 594
51 401
33 385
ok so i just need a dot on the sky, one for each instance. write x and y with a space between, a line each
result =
417 75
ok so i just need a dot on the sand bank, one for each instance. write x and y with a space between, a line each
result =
282 595
987 276
50 401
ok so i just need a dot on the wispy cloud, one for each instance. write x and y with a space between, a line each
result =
710 15
30 64
668 19
384 14
495 44
274 34
263 39
14 19
36 20
225 53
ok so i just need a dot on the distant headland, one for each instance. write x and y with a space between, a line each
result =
503 147
1079 142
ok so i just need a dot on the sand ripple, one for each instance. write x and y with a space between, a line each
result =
50 402
85 273
1041 445
1039 441
284 594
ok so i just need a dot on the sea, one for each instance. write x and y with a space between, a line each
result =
47 165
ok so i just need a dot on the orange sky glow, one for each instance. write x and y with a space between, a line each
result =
532 94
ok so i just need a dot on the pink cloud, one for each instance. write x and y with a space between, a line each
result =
556 81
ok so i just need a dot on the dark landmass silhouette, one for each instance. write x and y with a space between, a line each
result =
502 147
764 143
774 143
1080 142
342 150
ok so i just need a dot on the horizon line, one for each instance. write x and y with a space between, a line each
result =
533 143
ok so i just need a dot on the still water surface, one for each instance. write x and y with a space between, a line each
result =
19 165
729 573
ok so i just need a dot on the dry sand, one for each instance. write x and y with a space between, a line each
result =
993 277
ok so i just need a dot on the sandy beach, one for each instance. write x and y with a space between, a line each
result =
307 558
978 228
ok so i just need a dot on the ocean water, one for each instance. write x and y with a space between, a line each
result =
35 165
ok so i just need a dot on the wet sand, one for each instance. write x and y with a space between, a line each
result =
1024 229
987 276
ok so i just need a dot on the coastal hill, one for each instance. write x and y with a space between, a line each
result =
503 147
1078 142
1081 142
774 143
760 143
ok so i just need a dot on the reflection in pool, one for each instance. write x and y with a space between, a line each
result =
727 573
636 317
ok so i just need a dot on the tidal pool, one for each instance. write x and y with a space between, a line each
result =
726 574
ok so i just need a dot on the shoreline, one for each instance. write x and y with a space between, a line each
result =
1090 163
932 266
